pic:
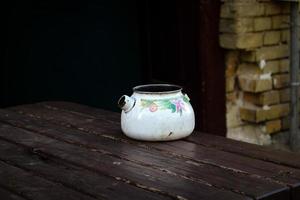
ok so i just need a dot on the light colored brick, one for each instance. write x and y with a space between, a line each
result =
272 52
272 37
241 41
244 8
281 80
228 41
243 25
249 115
280 21
233 116
262 23
231 97
227 26
272 8
248 69
266 53
276 111
254 84
284 95
250 134
226 11
272 66
238 25
230 71
269 98
230 82
273 126
280 110
261 99
263 114
284 65
231 60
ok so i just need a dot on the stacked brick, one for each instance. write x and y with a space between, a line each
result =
255 34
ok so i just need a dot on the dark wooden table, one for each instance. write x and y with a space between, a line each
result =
66 151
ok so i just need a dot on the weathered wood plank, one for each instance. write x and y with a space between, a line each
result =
83 110
252 186
130 172
290 176
221 158
34 187
74 177
91 114
254 151
7 195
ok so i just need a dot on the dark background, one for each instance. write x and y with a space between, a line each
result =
92 52
82 51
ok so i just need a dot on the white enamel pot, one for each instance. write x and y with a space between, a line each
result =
157 112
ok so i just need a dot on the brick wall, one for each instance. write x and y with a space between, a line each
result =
255 34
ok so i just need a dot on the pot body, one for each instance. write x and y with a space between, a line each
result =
158 117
